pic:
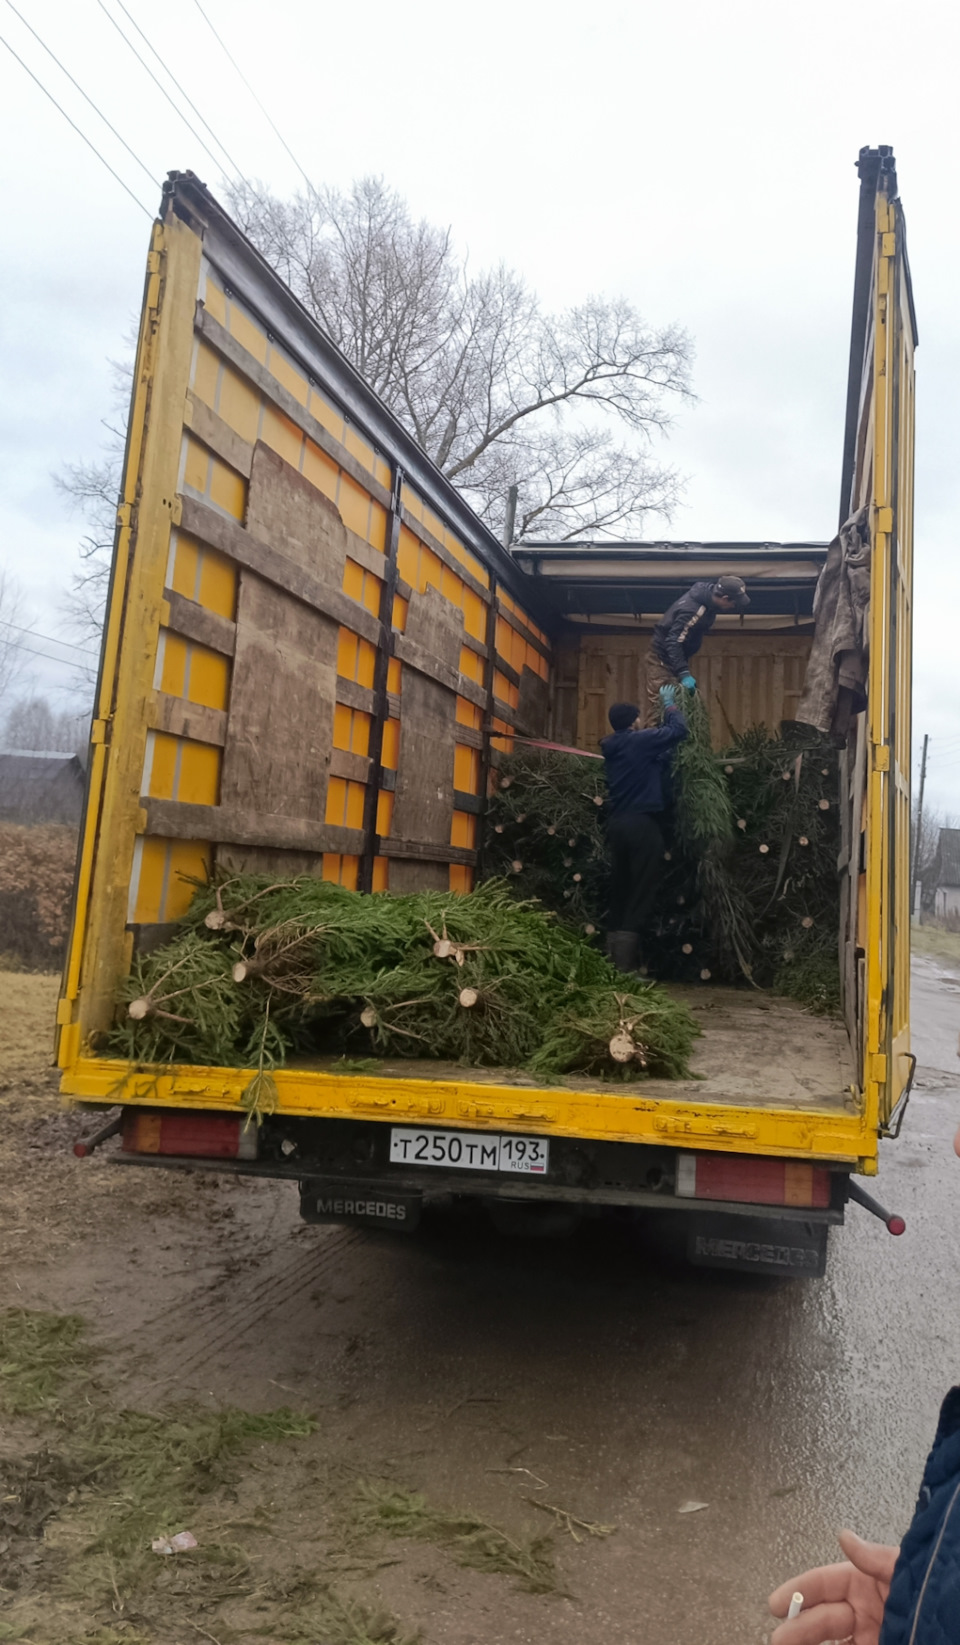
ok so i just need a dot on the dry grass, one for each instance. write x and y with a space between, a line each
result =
937 943
36 885
28 1011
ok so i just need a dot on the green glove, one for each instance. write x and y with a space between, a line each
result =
688 682
668 696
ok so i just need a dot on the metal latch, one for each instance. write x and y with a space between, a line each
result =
892 1127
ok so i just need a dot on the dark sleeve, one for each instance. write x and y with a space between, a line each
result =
929 1562
684 623
662 739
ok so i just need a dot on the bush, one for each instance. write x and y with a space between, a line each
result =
36 886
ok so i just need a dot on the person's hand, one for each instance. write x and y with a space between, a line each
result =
688 682
668 696
840 1602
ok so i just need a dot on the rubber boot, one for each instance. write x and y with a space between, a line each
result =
622 949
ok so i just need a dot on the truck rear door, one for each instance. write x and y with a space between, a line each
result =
309 635
878 473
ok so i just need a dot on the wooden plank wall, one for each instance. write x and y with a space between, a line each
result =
745 679
336 670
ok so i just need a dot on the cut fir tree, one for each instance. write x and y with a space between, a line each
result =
749 889
305 966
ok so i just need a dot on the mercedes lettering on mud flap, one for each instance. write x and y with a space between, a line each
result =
366 1203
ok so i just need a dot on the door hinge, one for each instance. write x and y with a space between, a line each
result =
98 731
885 520
881 757
878 1067
888 245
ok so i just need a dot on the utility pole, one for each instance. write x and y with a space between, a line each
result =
917 844
511 521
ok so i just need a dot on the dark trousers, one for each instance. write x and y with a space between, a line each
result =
636 862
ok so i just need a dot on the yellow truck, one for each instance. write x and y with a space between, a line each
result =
313 655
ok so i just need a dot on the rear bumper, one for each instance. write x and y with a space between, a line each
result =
653 1114
350 1160
442 1187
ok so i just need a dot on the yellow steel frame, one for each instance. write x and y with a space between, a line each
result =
886 940
99 950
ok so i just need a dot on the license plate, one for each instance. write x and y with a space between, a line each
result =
469 1151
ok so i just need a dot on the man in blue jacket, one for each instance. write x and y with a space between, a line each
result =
881 1595
636 765
678 635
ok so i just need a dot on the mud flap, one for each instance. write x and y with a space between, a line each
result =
369 1204
758 1245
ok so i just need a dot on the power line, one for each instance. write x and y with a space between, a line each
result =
48 657
273 127
33 634
161 88
168 71
98 111
90 145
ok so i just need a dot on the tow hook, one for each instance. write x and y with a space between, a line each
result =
85 1146
894 1224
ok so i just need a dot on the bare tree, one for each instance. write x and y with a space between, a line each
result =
14 635
33 724
928 850
93 491
486 382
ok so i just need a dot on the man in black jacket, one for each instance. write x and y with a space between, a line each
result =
636 762
678 635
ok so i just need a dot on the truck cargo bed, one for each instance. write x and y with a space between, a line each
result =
768 1077
756 1049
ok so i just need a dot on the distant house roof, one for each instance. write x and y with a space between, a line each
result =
949 857
39 787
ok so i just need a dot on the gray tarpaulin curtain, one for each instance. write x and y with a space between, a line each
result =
834 687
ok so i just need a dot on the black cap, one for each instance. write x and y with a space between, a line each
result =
733 588
622 716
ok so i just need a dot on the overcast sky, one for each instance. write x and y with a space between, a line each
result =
697 158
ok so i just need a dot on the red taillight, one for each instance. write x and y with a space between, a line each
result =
191 1136
752 1180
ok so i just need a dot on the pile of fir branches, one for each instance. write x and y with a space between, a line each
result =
260 969
749 889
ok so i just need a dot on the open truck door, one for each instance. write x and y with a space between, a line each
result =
875 767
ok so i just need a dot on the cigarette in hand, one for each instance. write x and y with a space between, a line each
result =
796 1606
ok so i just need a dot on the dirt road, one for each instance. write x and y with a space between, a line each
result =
531 1389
